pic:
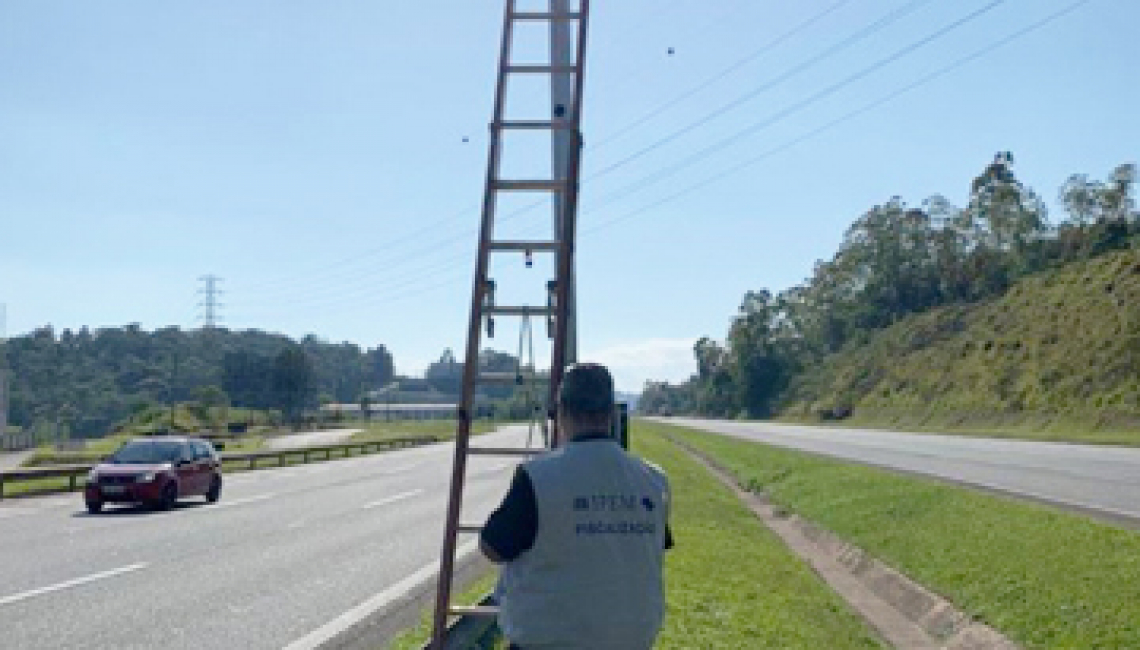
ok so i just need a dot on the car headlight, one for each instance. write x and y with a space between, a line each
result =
146 478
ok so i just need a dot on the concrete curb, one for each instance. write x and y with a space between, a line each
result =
905 613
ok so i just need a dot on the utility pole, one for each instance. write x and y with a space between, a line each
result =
562 98
173 388
210 304
4 441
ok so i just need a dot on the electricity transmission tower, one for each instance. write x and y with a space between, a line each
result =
210 305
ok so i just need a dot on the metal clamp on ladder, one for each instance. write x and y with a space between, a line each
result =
567 45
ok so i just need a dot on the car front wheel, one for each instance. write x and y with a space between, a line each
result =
169 496
215 491
94 506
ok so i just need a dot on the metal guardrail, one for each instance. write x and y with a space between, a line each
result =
74 472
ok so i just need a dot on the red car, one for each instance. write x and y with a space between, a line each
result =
156 472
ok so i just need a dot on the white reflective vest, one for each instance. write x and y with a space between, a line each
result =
592 579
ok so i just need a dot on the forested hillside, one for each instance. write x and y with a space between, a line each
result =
1063 345
91 380
990 308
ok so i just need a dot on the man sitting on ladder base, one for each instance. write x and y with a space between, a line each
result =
581 534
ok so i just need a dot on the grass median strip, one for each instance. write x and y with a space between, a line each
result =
1045 577
730 583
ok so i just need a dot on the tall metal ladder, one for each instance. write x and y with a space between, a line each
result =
564 123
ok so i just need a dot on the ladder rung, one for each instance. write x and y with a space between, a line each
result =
503 451
532 185
518 311
533 124
551 246
544 15
540 69
469 528
473 610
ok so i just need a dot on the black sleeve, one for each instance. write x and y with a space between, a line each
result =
510 530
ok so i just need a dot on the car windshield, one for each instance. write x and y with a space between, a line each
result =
147 451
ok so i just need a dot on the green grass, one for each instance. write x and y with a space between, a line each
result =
1055 357
1045 577
97 448
94 449
1042 429
243 445
730 583
39 486
440 429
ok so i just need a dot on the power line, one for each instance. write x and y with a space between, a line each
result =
473 208
922 81
863 33
826 92
789 111
764 49
797 29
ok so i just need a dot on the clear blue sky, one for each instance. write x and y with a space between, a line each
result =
312 154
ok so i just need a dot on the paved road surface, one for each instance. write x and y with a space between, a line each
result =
283 553
1101 478
310 439
13 459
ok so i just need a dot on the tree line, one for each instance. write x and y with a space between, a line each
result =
90 380
896 260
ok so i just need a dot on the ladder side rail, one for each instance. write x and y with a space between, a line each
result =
562 307
471 365
567 236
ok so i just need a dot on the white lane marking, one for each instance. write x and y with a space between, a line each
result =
231 480
6 513
338 625
237 502
15 598
392 499
1038 496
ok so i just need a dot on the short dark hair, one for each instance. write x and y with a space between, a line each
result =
587 389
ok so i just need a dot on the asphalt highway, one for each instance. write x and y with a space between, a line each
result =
310 439
1099 479
284 552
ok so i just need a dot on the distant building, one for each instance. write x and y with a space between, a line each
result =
396 410
404 399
